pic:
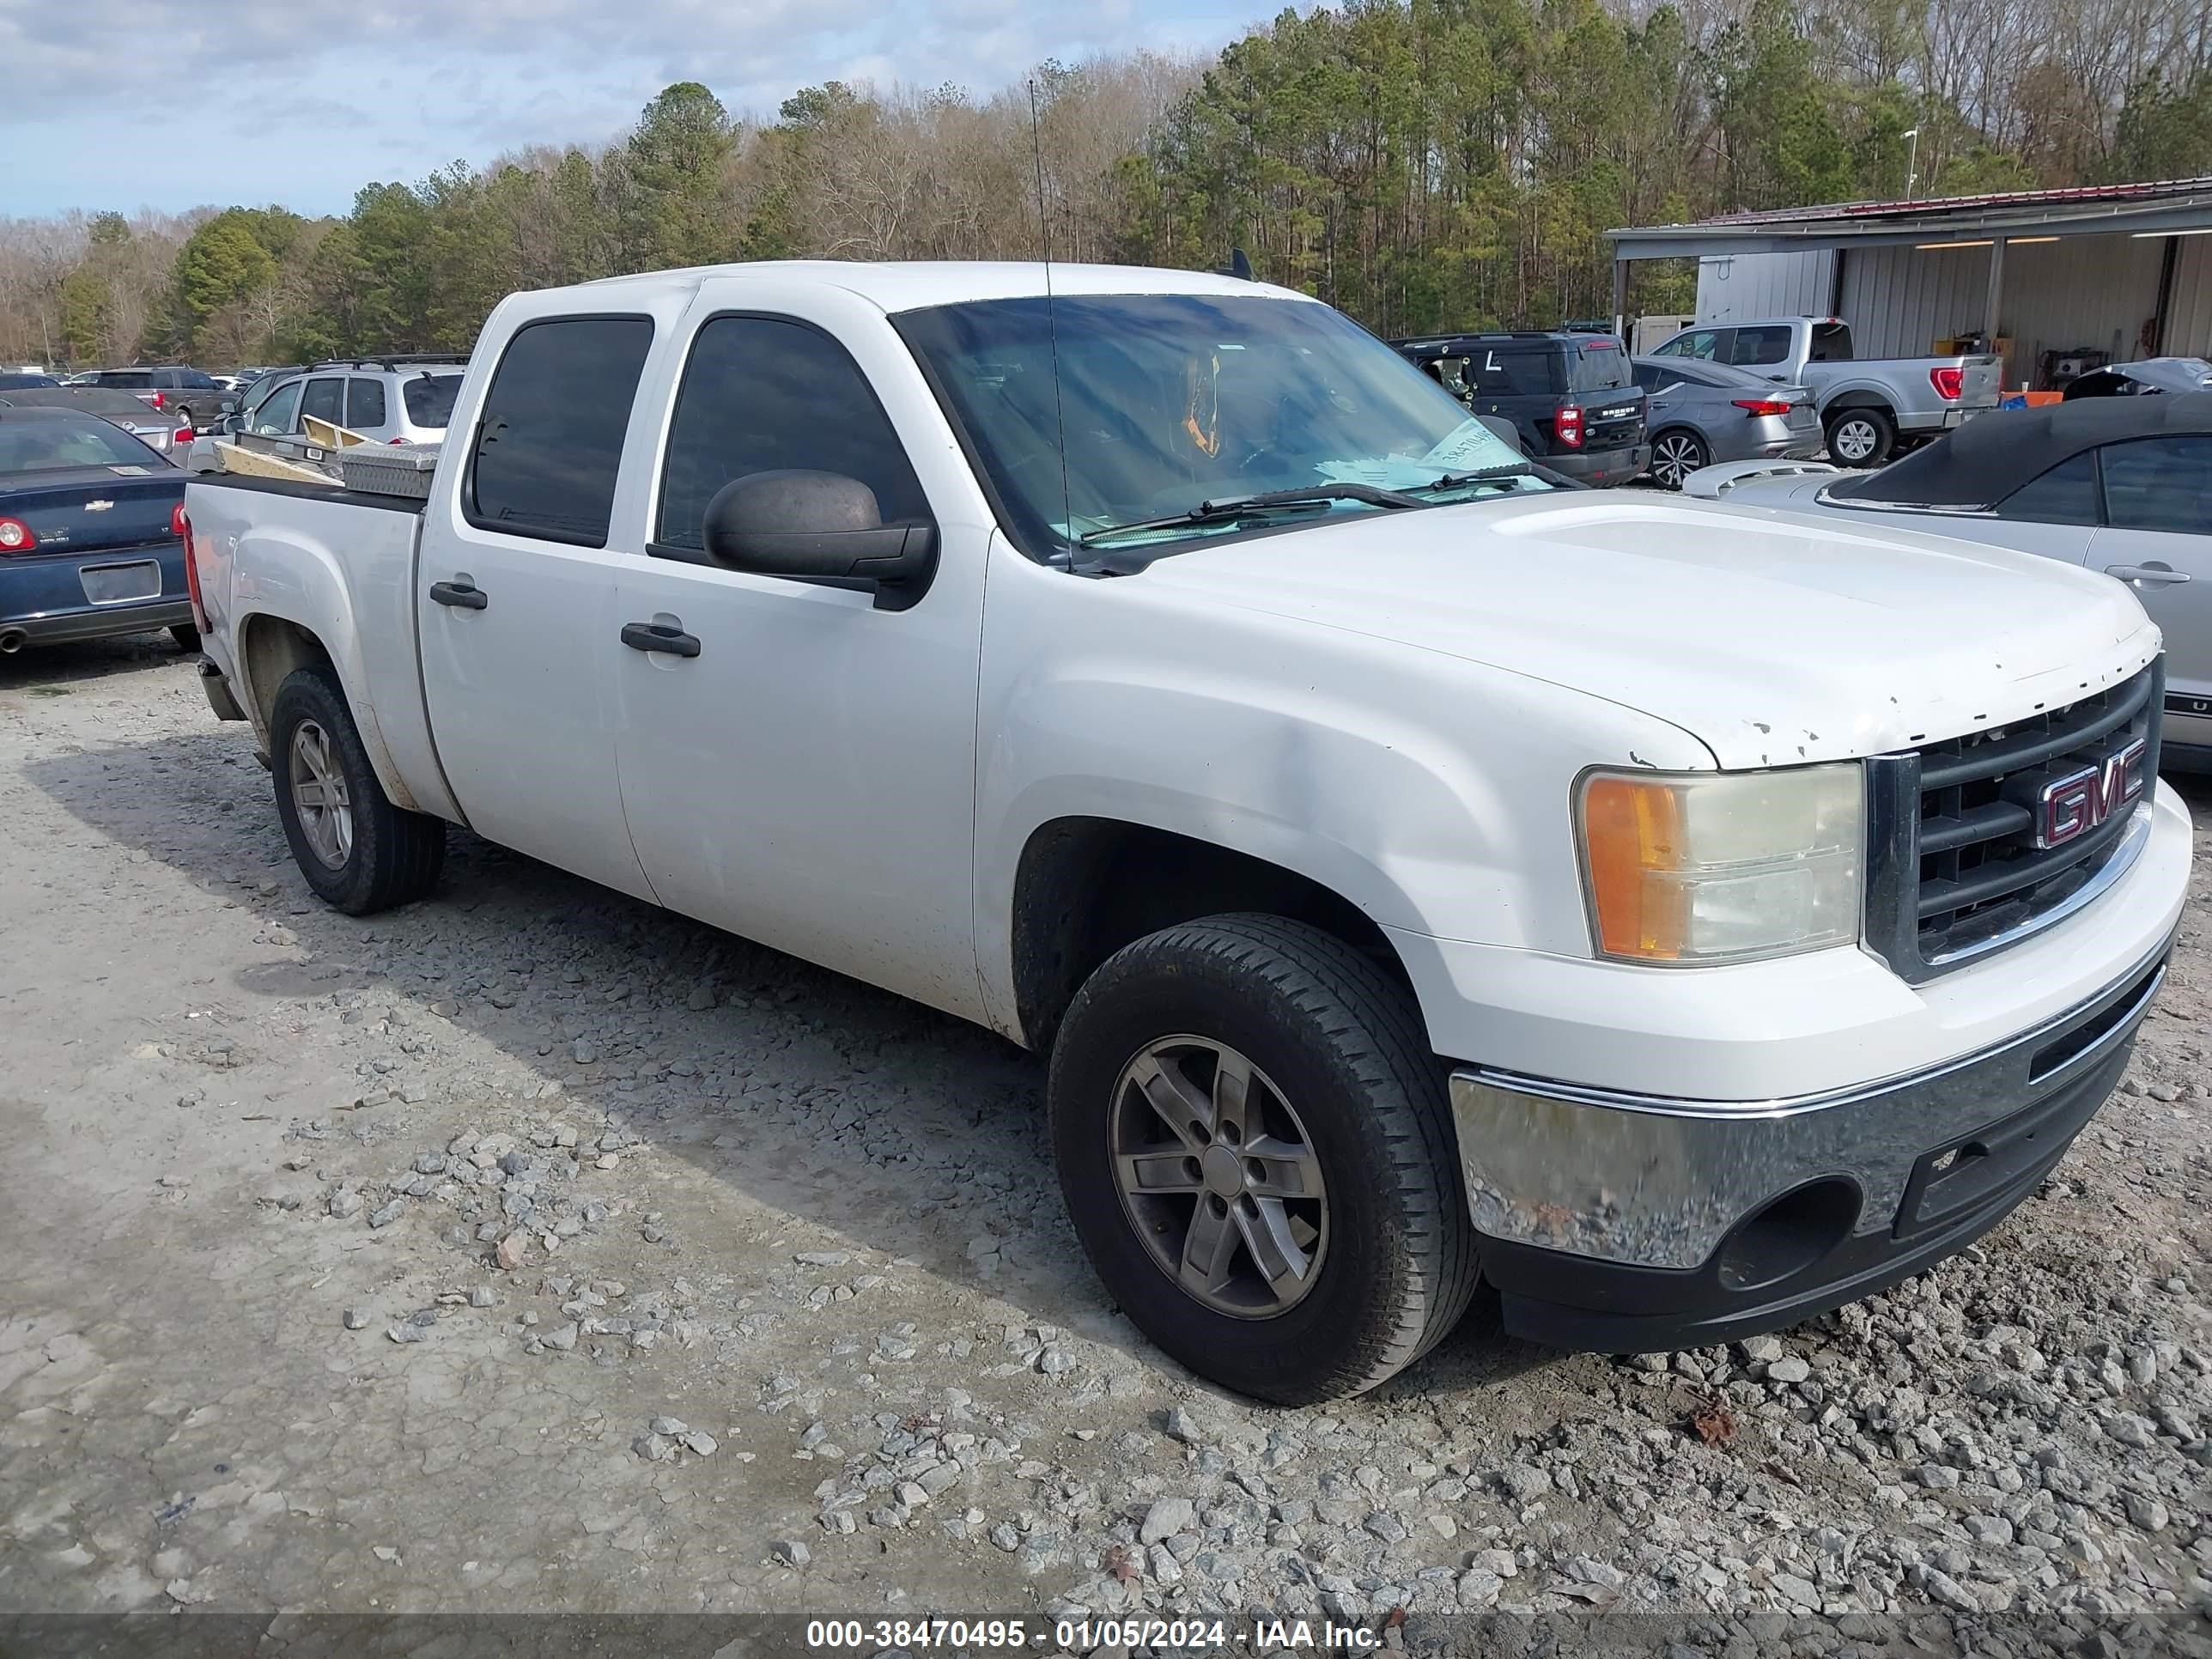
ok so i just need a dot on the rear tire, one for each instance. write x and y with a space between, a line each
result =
359 852
1351 1103
186 636
1861 437
1675 455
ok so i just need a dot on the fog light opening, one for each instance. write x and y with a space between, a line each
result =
1788 1234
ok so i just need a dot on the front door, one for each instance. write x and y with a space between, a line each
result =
801 769
516 601
2158 539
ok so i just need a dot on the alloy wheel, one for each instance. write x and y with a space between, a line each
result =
320 796
1674 458
1217 1177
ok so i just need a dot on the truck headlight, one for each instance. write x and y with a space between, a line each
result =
1689 869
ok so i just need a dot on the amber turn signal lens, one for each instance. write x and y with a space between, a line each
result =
1633 829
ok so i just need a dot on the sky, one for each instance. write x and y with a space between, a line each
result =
120 104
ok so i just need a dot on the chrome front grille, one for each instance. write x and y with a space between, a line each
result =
1960 859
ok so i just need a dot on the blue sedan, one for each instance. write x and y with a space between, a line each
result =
92 532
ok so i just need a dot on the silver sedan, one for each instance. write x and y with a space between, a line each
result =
1700 413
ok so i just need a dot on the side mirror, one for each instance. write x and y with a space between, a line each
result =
1504 430
818 527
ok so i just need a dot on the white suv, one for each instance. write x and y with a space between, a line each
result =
400 400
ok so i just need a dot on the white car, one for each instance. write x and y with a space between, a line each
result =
388 400
2120 485
1416 873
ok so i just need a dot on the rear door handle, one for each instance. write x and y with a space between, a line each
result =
462 592
2152 575
654 636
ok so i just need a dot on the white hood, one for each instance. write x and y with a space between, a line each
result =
1774 637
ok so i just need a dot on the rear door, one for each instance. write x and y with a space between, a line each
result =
1765 348
2158 509
515 604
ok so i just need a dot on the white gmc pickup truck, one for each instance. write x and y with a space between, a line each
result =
1682 918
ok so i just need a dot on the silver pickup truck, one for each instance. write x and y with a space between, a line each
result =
1870 407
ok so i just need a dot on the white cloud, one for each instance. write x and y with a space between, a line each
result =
259 100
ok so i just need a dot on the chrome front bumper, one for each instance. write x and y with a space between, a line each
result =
1656 1182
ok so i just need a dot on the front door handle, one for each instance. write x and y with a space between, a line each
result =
460 591
664 637
2151 575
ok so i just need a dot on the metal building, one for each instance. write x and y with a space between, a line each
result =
2123 270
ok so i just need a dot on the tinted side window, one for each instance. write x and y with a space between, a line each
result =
1648 377
195 379
760 394
2159 483
551 441
1517 371
364 402
128 380
2067 494
325 400
1757 346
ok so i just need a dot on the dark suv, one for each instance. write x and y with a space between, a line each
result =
1570 395
189 394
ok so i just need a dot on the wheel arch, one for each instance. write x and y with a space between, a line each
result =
1086 886
271 647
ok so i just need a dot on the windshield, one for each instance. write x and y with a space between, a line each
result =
51 446
1171 401
430 399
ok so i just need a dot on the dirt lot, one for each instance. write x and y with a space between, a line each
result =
799 1326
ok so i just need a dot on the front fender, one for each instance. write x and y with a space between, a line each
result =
1431 793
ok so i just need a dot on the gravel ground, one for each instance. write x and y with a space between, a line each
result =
530 1248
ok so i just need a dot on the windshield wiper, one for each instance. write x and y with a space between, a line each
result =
1237 506
1505 474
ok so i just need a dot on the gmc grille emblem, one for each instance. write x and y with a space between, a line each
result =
2069 807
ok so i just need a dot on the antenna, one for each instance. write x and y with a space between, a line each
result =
1051 315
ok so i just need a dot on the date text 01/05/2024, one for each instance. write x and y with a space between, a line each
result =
1082 1636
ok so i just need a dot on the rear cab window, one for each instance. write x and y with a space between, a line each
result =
549 447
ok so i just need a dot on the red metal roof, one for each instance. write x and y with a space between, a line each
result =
2083 194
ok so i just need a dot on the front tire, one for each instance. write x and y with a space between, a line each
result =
359 852
1254 1141
1861 437
1675 455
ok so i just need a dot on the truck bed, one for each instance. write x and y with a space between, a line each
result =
341 564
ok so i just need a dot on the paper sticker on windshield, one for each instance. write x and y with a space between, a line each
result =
1470 441
129 471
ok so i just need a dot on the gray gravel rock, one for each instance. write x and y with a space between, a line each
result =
1165 1519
